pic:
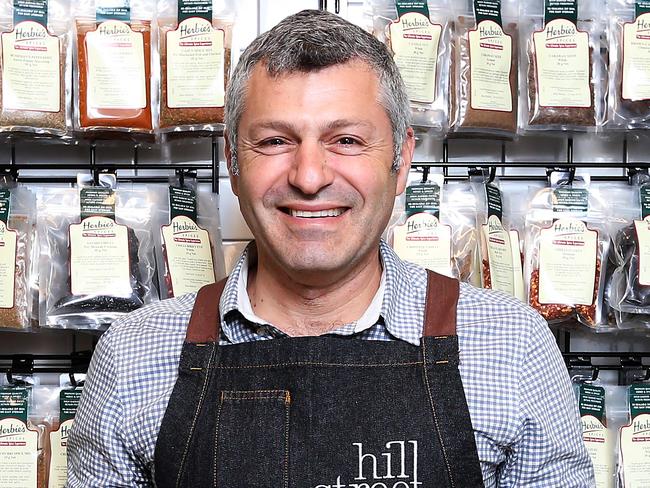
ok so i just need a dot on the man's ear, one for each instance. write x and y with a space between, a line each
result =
408 149
234 181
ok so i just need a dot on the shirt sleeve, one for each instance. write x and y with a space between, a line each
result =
549 451
97 454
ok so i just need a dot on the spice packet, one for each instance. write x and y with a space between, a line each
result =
115 86
501 236
562 69
96 254
566 242
418 34
195 59
437 228
634 441
188 245
629 73
484 69
17 233
35 71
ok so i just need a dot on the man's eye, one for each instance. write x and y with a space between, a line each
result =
275 141
347 141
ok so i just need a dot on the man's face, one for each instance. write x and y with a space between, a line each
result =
315 183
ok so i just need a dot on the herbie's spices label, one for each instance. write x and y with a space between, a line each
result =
634 439
19 452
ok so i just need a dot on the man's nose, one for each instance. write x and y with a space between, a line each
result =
310 171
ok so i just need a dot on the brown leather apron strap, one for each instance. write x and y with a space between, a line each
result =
442 300
205 322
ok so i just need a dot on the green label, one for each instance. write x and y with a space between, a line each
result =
423 198
570 200
97 201
194 8
592 402
639 399
113 11
487 10
5 200
406 6
642 7
69 402
561 9
644 194
14 403
34 10
182 201
494 201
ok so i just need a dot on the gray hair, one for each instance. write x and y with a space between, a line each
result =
309 41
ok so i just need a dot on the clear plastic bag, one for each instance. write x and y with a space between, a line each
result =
35 87
426 77
121 275
483 100
573 92
633 455
115 80
194 75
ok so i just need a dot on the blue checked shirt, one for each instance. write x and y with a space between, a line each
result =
519 395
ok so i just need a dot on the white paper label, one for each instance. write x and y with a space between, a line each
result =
516 266
31 76
499 256
567 263
116 73
8 239
99 258
189 255
562 57
636 59
490 59
59 459
414 41
635 452
195 65
425 241
643 233
598 442
18 455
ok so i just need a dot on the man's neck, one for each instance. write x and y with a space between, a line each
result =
307 310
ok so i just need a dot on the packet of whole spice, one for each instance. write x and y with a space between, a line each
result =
96 254
114 85
566 242
484 74
633 440
629 69
436 228
188 244
35 70
418 34
501 237
17 232
563 68
195 54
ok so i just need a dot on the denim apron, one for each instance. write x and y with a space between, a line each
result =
319 412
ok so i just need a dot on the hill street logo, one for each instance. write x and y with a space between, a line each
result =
389 469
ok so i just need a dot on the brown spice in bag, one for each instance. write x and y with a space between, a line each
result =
17 316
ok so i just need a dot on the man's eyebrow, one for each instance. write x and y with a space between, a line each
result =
342 123
285 126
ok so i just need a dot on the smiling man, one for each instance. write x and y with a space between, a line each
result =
324 361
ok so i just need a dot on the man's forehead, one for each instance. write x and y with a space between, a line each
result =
263 70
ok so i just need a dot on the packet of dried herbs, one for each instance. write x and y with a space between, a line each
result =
17 225
633 439
484 69
563 79
35 69
188 237
566 243
195 40
96 254
418 34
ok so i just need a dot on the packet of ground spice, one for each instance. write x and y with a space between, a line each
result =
17 219
35 69
418 33
563 79
114 87
195 40
566 242
629 67
484 74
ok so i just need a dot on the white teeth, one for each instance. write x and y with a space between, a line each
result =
332 212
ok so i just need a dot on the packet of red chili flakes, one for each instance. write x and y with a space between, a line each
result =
566 242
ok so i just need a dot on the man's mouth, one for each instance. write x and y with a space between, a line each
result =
315 214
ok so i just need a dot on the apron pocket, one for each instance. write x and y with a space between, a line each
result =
252 439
